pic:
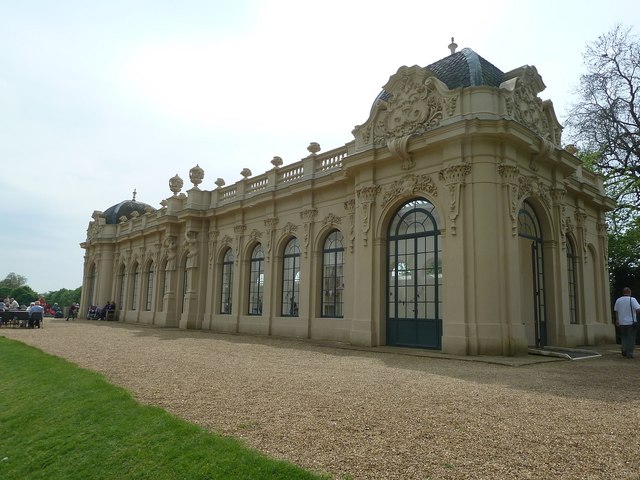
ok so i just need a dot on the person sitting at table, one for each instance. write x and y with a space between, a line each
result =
14 305
36 314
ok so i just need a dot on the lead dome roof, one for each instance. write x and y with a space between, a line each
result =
462 69
126 207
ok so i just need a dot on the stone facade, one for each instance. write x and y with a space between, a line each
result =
454 220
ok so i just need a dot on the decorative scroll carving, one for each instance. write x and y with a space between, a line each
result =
289 228
350 207
270 224
409 184
581 222
94 230
568 223
331 219
307 216
602 228
255 235
454 178
524 105
367 196
557 196
510 179
226 241
238 230
413 101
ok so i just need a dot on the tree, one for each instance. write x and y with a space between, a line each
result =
24 295
64 297
13 280
624 259
606 119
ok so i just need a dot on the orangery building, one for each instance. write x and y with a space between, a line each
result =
454 220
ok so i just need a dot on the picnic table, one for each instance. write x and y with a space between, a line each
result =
20 318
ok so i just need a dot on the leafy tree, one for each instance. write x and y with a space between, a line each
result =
606 119
24 295
13 280
64 297
624 259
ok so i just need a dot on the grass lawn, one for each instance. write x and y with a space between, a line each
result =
58 421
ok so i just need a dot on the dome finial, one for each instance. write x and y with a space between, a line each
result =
452 46
134 194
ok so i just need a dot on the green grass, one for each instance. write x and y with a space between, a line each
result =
58 421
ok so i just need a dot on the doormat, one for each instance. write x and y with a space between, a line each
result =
568 353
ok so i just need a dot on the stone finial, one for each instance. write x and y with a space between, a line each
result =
571 148
246 173
314 148
196 174
276 162
452 46
219 182
175 184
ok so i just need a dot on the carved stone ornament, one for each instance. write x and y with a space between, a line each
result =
270 224
226 240
413 102
524 105
409 185
255 235
368 193
602 227
350 207
331 219
94 230
309 215
170 246
196 174
454 178
276 162
289 228
175 184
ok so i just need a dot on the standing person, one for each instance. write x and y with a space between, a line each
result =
626 308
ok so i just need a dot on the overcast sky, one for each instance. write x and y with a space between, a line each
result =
98 98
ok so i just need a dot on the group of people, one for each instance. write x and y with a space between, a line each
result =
35 312
96 313
9 303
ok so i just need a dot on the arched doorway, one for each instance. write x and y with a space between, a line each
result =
532 285
414 277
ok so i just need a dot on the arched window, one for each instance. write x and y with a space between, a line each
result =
149 294
134 289
414 276
291 279
332 275
256 281
227 282
572 279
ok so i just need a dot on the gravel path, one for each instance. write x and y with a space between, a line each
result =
366 414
